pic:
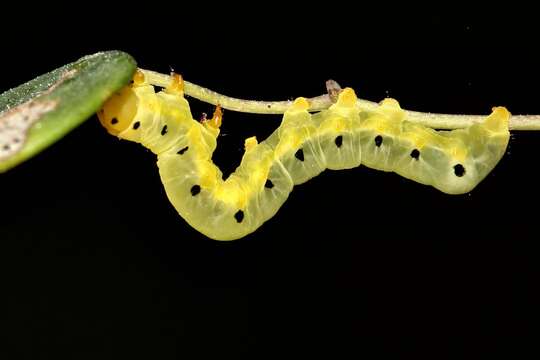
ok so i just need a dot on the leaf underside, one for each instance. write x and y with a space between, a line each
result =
53 104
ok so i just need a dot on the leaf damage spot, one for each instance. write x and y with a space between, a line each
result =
65 76
16 122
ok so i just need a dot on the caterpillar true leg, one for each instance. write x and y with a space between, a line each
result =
343 136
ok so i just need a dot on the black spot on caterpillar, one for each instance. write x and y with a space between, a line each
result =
239 216
459 170
304 145
378 140
195 190
164 130
299 154
339 141
268 184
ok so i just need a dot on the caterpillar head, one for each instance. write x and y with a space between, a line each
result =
119 110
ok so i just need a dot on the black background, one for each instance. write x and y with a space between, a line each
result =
96 263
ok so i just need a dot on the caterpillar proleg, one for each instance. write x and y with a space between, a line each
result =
342 137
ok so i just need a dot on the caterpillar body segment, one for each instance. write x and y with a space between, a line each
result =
342 137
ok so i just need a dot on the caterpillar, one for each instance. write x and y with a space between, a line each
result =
343 136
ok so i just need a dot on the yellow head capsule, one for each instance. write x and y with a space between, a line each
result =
118 112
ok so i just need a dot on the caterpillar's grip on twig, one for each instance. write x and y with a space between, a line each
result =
341 137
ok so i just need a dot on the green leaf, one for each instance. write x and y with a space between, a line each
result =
38 113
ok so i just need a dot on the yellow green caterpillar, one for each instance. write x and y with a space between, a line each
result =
343 136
